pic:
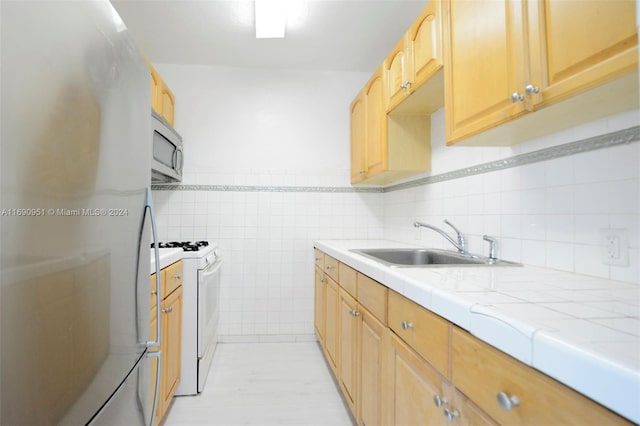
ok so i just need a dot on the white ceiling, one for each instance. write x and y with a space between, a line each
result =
347 35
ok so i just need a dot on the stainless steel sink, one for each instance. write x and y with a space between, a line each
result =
406 257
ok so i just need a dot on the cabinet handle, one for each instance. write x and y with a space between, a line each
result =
167 311
361 172
438 401
153 292
515 97
507 402
178 276
354 312
321 279
330 268
451 414
407 325
317 258
530 89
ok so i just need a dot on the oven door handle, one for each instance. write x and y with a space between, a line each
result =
214 268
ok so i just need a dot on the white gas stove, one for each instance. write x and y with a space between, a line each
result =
201 296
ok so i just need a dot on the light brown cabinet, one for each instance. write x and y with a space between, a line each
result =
171 334
163 101
398 99
504 59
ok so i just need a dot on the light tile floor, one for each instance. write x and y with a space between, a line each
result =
264 384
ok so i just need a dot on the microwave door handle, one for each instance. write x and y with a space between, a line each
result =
179 159
156 252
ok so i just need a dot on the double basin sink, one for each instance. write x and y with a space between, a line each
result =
410 258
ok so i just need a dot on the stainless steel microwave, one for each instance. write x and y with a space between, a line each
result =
168 159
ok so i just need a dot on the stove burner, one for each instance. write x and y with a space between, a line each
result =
184 245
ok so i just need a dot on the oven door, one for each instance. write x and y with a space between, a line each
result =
208 314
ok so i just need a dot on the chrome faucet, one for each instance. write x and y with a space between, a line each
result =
461 245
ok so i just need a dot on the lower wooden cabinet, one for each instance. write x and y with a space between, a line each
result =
171 345
331 322
171 336
373 370
319 304
348 348
416 385
421 369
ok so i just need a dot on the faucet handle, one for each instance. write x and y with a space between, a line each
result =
493 246
461 240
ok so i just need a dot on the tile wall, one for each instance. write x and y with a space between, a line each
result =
266 241
545 214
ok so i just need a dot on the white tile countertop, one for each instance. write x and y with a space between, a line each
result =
167 257
583 331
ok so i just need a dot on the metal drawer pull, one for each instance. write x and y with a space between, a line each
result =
321 279
506 401
178 276
439 401
153 292
167 311
451 414
354 312
330 267
407 325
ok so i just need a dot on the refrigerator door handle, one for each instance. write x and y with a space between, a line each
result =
148 204
155 354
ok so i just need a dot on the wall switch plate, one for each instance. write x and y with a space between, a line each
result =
614 244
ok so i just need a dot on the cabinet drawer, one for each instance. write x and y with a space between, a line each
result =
331 267
319 257
348 279
424 331
486 375
172 278
373 296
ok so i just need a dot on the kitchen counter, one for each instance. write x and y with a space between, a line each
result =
167 257
583 331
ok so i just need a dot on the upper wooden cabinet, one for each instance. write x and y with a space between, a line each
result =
162 99
376 135
358 141
504 59
425 45
396 68
576 46
415 60
398 100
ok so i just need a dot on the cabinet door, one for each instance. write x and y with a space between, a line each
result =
319 304
153 332
348 348
415 385
425 39
171 344
484 65
156 89
376 129
396 74
331 318
374 371
578 44
358 159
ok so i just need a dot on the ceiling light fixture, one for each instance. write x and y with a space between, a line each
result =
271 18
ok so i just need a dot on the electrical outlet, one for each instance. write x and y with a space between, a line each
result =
614 244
